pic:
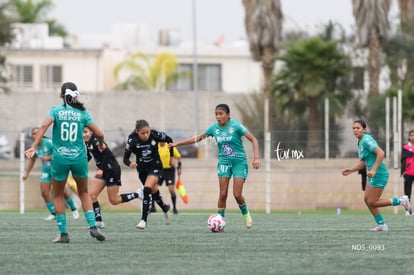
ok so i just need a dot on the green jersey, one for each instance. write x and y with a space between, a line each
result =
68 144
43 150
229 139
366 148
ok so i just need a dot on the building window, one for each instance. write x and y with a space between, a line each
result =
22 75
209 78
51 76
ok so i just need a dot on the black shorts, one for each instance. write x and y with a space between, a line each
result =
112 176
169 177
154 170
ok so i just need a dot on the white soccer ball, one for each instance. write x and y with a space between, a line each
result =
216 223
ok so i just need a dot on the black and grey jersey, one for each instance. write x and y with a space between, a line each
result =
146 152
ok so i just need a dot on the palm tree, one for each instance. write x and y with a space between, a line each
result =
313 69
406 8
28 11
144 74
5 37
263 23
371 18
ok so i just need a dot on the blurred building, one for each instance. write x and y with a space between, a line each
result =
40 63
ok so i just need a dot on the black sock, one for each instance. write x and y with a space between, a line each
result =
146 203
158 198
97 210
174 200
129 197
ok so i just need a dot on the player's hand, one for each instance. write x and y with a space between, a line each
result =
29 152
346 172
371 173
171 145
256 164
99 173
102 148
133 165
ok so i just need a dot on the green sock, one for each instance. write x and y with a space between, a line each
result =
395 201
379 219
243 209
51 207
221 212
71 204
61 223
90 218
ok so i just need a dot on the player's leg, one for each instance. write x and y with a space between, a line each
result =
97 185
45 193
156 194
115 198
223 193
238 195
408 183
151 182
59 175
80 174
224 174
171 189
69 200
157 197
169 177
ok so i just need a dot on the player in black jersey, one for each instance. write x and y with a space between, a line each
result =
108 174
143 142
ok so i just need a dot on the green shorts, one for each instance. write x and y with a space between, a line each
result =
237 168
379 181
60 171
46 176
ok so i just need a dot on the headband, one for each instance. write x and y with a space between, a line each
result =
73 94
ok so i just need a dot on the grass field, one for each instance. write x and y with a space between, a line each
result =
279 243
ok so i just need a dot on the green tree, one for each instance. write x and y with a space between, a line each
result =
371 17
144 74
263 23
313 69
29 11
6 36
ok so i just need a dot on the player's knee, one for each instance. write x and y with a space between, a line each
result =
114 201
94 197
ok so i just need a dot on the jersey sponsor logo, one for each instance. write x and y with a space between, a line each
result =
224 139
68 151
69 115
228 151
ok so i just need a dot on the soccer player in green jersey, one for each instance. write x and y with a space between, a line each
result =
232 159
372 156
69 154
44 153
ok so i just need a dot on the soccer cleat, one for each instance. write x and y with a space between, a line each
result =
408 213
50 217
381 227
62 238
95 233
140 193
141 224
100 224
405 202
248 220
75 214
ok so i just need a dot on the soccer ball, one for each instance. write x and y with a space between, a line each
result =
216 223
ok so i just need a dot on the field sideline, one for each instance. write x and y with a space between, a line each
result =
312 242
